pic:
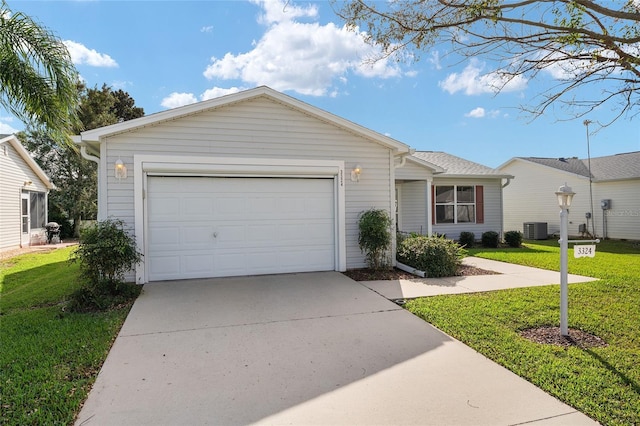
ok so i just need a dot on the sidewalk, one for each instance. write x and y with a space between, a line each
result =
510 276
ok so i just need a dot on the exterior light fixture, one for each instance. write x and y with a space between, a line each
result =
27 183
565 196
355 173
120 169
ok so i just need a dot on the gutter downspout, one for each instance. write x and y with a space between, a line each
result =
403 159
502 207
95 159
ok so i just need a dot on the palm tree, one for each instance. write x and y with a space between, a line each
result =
37 77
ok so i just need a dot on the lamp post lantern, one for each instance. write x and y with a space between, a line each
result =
565 196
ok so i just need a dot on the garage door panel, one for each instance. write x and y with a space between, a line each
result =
164 237
230 207
196 207
166 266
197 265
208 227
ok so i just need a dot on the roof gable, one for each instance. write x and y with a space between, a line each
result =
456 166
14 142
96 135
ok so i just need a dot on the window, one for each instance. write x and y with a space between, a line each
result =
455 204
38 215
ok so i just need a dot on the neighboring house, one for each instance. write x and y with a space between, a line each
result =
615 188
23 196
255 182
460 195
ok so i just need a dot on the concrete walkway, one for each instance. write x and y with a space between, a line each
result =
300 349
509 276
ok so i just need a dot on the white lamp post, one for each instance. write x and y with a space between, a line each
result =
565 196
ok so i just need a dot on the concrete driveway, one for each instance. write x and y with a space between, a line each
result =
314 348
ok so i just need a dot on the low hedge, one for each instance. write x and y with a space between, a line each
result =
436 256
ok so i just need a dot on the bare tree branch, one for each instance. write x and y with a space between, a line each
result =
584 42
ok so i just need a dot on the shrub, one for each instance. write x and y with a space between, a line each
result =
437 256
513 238
375 237
490 239
105 253
467 239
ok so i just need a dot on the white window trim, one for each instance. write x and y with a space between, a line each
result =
145 165
455 205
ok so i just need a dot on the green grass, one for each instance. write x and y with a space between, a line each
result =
49 357
603 383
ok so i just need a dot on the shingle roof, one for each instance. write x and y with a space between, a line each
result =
616 167
571 165
457 166
611 167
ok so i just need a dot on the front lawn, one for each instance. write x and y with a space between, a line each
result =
602 382
49 357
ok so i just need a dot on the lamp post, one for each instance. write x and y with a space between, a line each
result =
565 196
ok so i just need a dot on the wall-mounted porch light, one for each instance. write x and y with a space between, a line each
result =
355 173
120 169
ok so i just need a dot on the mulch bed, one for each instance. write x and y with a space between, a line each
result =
551 336
366 274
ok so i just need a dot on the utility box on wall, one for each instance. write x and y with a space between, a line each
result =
535 231
605 204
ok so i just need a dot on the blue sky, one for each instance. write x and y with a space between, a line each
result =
170 53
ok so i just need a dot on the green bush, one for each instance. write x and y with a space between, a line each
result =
490 239
467 239
375 237
437 256
105 253
513 238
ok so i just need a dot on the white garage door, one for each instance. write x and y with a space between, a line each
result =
215 227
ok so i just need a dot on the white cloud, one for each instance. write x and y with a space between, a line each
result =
482 113
304 57
175 100
476 113
216 92
277 11
6 127
207 29
434 59
471 81
81 55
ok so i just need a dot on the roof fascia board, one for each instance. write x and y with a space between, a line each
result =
24 154
96 135
615 180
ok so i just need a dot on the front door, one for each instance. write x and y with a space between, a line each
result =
25 224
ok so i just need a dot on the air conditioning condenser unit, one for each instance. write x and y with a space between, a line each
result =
535 231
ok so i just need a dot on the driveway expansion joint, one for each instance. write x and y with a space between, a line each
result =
542 419
214 327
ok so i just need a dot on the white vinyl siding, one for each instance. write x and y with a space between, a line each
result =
492 189
14 172
257 128
412 171
413 207
623 219
530 197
